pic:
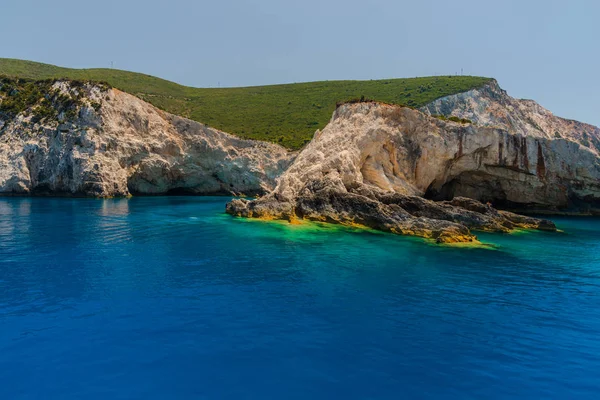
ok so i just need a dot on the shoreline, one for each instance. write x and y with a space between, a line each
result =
531 213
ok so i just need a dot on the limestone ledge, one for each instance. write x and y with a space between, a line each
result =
443 222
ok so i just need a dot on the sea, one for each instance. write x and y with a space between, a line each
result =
171 298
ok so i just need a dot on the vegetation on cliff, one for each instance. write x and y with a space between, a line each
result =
287 114
42 100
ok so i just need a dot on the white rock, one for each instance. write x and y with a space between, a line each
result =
131 147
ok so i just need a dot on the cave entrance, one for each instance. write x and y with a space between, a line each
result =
475 185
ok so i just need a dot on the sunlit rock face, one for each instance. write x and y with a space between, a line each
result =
373 161
117 145
491 106
374 164
555 159
406 151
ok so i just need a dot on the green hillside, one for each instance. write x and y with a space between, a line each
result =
287 114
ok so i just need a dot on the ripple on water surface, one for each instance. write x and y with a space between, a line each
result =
169 297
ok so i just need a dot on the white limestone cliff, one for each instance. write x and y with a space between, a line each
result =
403 150
119 145
515 154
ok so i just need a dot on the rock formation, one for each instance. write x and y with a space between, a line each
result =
115 144
383 166
555 159
373 164
491 106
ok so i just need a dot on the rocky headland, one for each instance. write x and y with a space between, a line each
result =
440 172
376 165
382 166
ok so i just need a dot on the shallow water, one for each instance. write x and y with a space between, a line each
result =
170 298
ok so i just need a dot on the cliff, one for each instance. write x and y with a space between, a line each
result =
541 162
397 149
489 105
86 139
384 166
374 165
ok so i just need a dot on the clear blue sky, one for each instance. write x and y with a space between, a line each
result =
546 50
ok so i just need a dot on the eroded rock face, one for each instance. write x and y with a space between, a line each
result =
405 151
491 106
373 164
555 160
119 145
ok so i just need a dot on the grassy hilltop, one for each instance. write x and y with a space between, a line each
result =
287 114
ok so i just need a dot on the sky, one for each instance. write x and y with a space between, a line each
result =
546 50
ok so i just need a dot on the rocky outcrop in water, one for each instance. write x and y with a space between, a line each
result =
374 165
327 200
110 143
377 165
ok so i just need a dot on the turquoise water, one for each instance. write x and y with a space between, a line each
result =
164 298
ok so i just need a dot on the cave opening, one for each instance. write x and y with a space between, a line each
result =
475 185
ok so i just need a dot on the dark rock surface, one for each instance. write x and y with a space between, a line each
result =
445 222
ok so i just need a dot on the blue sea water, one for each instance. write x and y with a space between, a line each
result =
169 298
